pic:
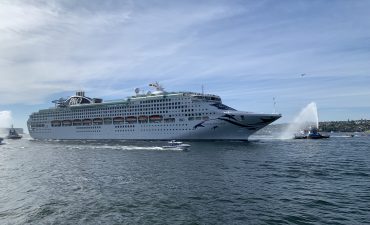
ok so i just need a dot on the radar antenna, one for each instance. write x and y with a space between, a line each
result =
137 91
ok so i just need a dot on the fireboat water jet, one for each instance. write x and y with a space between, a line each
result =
305 125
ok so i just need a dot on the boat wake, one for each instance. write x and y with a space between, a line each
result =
119 147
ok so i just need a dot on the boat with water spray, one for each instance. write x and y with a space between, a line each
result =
13 134
312 133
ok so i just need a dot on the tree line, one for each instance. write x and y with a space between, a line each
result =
345 126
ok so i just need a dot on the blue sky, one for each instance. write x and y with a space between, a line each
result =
245 51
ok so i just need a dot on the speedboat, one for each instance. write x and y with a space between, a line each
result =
176 145
13 134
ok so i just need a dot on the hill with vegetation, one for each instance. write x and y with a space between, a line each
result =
345 126
327 126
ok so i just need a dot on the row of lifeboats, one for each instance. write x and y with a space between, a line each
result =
115 120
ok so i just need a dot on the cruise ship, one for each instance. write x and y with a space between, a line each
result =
157 115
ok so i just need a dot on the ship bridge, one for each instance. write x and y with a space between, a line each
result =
204 97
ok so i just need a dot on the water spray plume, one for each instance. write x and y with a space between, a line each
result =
5 118
308 117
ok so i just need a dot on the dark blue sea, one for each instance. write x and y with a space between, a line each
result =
264 181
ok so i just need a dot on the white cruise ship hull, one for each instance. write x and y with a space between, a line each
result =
220 128
158 116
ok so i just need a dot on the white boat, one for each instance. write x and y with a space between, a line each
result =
157 115
177 145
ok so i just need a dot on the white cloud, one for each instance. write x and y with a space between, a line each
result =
49 48
247 52
5 118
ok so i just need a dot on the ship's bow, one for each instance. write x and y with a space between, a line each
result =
245 124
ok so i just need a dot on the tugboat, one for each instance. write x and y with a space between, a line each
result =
13 134
313 133
176 145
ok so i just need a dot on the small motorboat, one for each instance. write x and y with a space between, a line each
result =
13 134
176 145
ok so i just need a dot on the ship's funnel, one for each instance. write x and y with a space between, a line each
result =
80 93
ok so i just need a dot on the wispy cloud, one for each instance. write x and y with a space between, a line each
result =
56 46
246 51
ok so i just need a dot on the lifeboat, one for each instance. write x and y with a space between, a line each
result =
143 119
76 122
169 120
86 122
67 123
118 120
131 119
107 120
56 123
155 118
98 121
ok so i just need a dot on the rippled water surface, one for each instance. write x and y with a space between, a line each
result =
260 182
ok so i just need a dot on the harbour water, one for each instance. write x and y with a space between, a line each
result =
264 181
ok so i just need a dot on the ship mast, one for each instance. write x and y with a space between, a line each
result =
158 88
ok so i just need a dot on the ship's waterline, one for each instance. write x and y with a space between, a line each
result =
153 116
